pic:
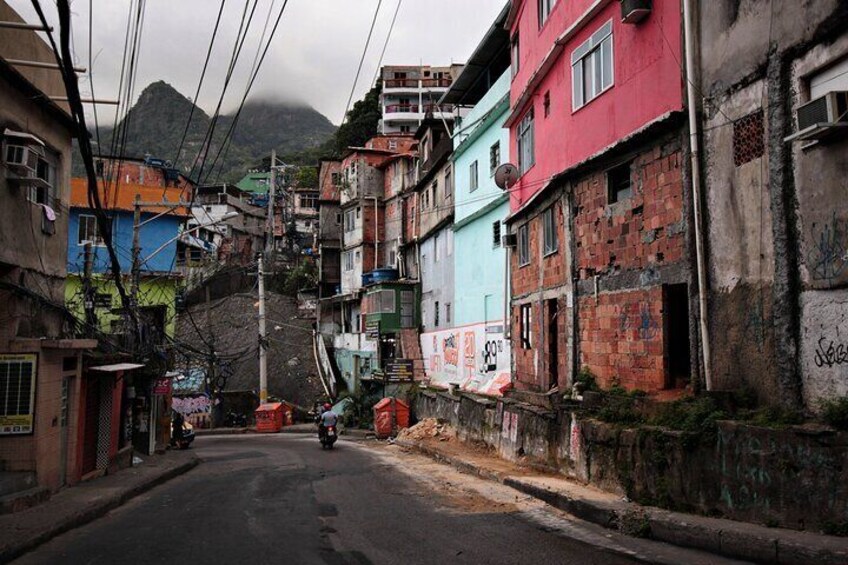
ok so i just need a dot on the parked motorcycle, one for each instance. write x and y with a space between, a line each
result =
328 437
235 420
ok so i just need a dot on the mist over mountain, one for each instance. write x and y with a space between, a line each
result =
156 123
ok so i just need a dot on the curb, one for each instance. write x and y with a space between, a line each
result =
94 512
758 544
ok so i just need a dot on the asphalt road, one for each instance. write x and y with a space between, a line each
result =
282 499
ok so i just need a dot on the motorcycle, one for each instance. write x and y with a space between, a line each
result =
328 437
185 439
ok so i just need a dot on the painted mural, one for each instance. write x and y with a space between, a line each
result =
476 358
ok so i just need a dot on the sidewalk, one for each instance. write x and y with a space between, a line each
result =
729 538
85 502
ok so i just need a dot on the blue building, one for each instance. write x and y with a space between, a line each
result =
481 144
159 277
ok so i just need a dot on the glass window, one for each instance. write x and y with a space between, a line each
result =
545 7
436 248
494 157
525 325
448 188
448 313
550 235
526 143
592 67
514 55
524 245
496 234
89 232
473 178
436 314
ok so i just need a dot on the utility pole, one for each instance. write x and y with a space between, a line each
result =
136 260
272 190
263 341
87 290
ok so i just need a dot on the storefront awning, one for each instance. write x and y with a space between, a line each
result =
117 367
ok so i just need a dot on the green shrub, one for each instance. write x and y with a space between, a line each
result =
835 412
690 415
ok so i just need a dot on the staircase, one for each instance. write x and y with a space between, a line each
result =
410 348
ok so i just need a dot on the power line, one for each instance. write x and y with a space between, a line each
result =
361 60
386 44
200 83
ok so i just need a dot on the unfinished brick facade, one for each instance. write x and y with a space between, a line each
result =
542 284
626 244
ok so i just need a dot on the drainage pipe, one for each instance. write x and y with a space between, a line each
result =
691 101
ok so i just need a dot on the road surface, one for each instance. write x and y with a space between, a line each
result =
282 499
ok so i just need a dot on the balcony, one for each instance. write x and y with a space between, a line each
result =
437 82
414 111
413 84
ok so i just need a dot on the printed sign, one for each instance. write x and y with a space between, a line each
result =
162 386
17 393
399 370
372 330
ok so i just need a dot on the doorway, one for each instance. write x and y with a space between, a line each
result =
676 330
91 423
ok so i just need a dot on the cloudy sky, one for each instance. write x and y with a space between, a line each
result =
313 57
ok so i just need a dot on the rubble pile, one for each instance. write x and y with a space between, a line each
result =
426 429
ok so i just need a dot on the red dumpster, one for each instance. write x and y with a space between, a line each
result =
390 415
269 418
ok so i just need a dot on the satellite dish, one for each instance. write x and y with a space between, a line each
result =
506 175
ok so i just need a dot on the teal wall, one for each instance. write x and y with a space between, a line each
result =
479 264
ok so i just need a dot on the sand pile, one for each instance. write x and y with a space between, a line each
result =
426 429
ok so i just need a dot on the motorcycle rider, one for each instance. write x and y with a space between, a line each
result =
327 419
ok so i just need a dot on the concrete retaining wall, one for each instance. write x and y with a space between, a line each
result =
795 477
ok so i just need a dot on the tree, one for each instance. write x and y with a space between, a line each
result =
307 177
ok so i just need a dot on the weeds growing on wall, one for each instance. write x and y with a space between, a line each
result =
835 413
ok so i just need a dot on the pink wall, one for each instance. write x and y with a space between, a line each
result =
647 84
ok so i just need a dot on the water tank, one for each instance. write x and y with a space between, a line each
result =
384 275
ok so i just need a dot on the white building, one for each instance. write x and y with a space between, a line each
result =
412 92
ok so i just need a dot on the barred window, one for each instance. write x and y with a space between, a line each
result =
748 138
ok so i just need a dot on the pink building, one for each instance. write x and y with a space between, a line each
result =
601 272
574 111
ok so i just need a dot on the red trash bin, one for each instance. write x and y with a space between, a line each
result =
390 415
269 418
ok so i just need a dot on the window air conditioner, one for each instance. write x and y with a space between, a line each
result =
634 11
21 159
821 117
510 240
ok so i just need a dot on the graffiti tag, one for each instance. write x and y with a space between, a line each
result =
644 323
451 351
829 256
829 354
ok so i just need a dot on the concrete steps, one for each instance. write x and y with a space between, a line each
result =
21 500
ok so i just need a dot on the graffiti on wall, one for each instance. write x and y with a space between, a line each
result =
828 257
642 321
829 353
824 345
194 404
470 357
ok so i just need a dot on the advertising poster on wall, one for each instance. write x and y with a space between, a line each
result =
476 358
17 393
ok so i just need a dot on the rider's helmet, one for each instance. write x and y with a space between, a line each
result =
327 406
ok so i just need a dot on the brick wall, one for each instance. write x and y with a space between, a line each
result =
644 230
621 338
529 282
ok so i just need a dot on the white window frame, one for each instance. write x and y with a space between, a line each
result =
589 57
526 142
473 176
549 232
545 7
524 245
494 157
448 188
347 261
515 54
98 240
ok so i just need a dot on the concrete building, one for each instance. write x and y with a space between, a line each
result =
234 241
411 93
481 144
42 409
329 234
775 164
601 273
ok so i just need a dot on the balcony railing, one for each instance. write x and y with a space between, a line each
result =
444 82
415 108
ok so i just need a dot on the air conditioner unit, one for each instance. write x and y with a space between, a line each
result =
509 240
634 11
21 159
822 117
